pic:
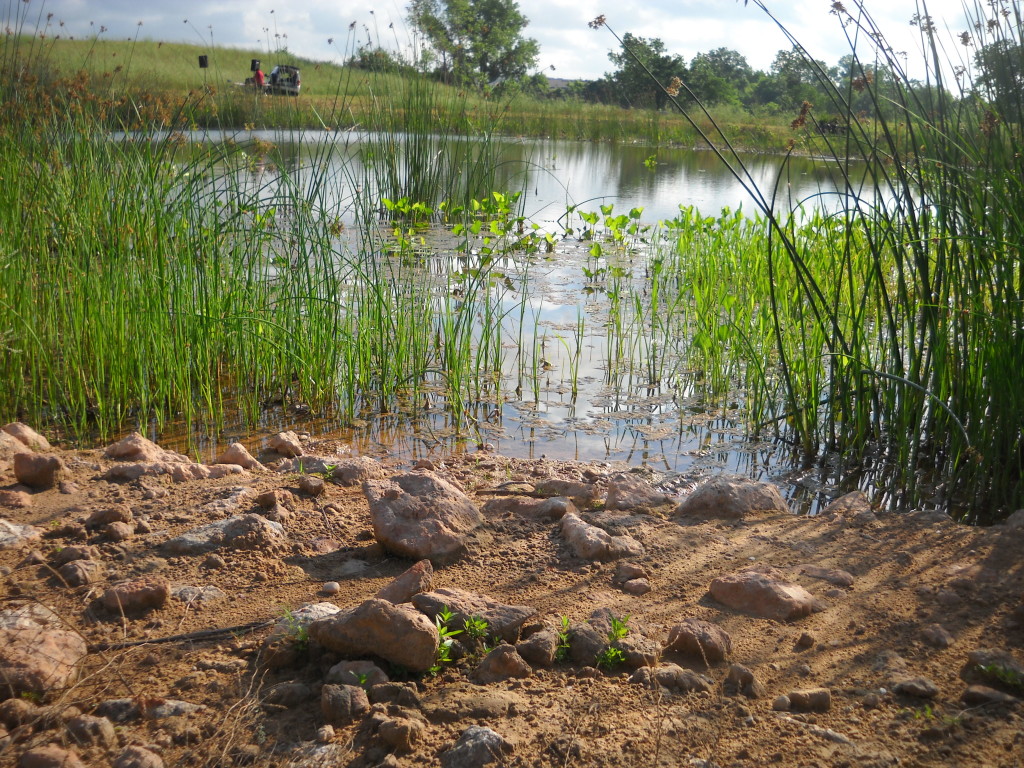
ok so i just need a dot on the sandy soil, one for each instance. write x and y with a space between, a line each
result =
909 571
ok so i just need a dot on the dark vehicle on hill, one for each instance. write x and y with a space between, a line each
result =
284 79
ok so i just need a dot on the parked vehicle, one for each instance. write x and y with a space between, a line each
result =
284 79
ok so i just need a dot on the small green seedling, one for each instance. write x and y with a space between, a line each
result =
447 637
476 627
298 631
612 655
564 634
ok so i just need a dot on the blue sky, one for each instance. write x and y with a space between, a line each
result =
560 26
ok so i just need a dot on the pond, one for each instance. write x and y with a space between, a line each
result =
575 380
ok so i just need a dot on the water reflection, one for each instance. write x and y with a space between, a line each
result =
588 402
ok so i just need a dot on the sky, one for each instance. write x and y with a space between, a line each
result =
567 44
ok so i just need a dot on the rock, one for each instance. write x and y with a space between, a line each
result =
286 444
400 734
119 513
701 639
585 643
288 694
78 573
637 587
731 498
330 588
17 712
742 680
27 436
75 552
540 648
639 651
36 655
13 535
38 471
502 663
627 491
10 445
854 507
324 735
49 756
284 643
836 576
477 746
123 710
762 595
421 516
276 497
994 667
628 572
554 508
118 531
193 595
357 470
805 641
418 578
12 500
343 704
672 678
811 700
503 621
365 674
138 449
581 494
592 543
311 485
1015 522
918 687
979 695
781 703
237 454
136 596
137 757
87 730
395 633
239 532
399 694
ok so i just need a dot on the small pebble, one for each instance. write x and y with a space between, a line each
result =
331 588
325 733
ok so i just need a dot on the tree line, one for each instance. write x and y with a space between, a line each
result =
481 44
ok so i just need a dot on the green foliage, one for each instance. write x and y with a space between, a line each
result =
636 63
298 632
476 628
612 656
447 639
1006 675
564 636
475 42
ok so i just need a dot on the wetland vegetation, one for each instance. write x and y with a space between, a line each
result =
152 279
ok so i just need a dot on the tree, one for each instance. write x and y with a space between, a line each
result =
720 76
475 42
631 84
1000 78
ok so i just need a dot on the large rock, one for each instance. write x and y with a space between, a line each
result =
592 543
699 638
419 515
357 470
49 756
503 621
239 532
418 578
285 642
627 491
27 436
36 655
761 594
135 596
137 448
582 494
15 535
502 663
396 633
553 508
38 471
286 444
673 678
237 454
10 445
476 747
731 498
343 704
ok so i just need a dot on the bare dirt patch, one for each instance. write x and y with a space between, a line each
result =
204 645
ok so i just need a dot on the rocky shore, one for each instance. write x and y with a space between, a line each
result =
304 607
